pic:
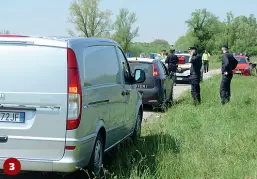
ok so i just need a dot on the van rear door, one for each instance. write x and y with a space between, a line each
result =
33 101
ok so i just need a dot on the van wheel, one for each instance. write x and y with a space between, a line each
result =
137 130
96 161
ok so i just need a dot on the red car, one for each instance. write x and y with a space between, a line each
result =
243 67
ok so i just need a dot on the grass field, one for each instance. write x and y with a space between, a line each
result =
207 141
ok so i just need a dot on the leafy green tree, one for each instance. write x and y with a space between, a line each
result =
89 20
124 32
207 32
185 41
203 24
160 42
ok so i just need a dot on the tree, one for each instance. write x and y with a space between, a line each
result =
88 19
160 42
4 32
123 25
203 24
184 42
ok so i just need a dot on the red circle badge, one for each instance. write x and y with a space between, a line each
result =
12 166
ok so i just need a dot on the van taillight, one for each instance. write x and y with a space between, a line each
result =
155 70
74 92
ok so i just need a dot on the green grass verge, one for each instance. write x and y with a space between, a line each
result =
207 141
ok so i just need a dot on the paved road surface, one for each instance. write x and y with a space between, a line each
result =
179 89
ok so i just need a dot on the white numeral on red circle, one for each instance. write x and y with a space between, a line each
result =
12 166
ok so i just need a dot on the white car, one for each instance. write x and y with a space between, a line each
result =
183 70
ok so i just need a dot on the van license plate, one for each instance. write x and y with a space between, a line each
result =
179 78
12 117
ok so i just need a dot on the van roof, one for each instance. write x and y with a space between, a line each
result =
57 41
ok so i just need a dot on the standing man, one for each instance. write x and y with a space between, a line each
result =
195 74
229 63
172 61
205 59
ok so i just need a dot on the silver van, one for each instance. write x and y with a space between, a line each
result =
65 101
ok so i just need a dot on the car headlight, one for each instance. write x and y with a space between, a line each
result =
247 68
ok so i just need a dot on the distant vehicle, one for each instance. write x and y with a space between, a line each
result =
60 110
158 87
180 51
243 67
142 55
183 70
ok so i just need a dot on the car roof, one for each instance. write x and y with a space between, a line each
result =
136 59
182 54
59 41
239 56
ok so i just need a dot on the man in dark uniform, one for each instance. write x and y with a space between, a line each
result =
195 74
172 61
227 75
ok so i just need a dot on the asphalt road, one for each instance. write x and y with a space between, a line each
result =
178 90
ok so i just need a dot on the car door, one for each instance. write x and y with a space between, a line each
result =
164 79
103 89
131 96
170 82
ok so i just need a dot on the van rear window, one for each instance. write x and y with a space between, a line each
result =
147 67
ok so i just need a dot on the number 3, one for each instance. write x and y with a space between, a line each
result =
12 166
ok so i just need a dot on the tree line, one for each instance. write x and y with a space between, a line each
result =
207 31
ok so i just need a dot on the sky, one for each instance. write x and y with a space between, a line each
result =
156 19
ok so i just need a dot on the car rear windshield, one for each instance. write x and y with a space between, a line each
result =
185 57
147 67
241 60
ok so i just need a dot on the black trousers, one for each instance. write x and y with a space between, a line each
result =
195 89
225 92
173 76
205 66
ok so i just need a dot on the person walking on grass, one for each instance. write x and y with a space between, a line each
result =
195 74
205 59
229 63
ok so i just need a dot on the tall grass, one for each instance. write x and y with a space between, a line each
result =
207 141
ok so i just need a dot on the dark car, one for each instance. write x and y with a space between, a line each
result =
157 89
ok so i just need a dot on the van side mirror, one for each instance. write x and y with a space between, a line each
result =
139 76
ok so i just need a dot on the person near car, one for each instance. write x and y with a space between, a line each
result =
205 59
195 74
165 55
172 61
227 74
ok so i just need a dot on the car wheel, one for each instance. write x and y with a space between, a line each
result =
96 161
137 130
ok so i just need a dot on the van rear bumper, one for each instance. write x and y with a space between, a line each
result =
72 159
